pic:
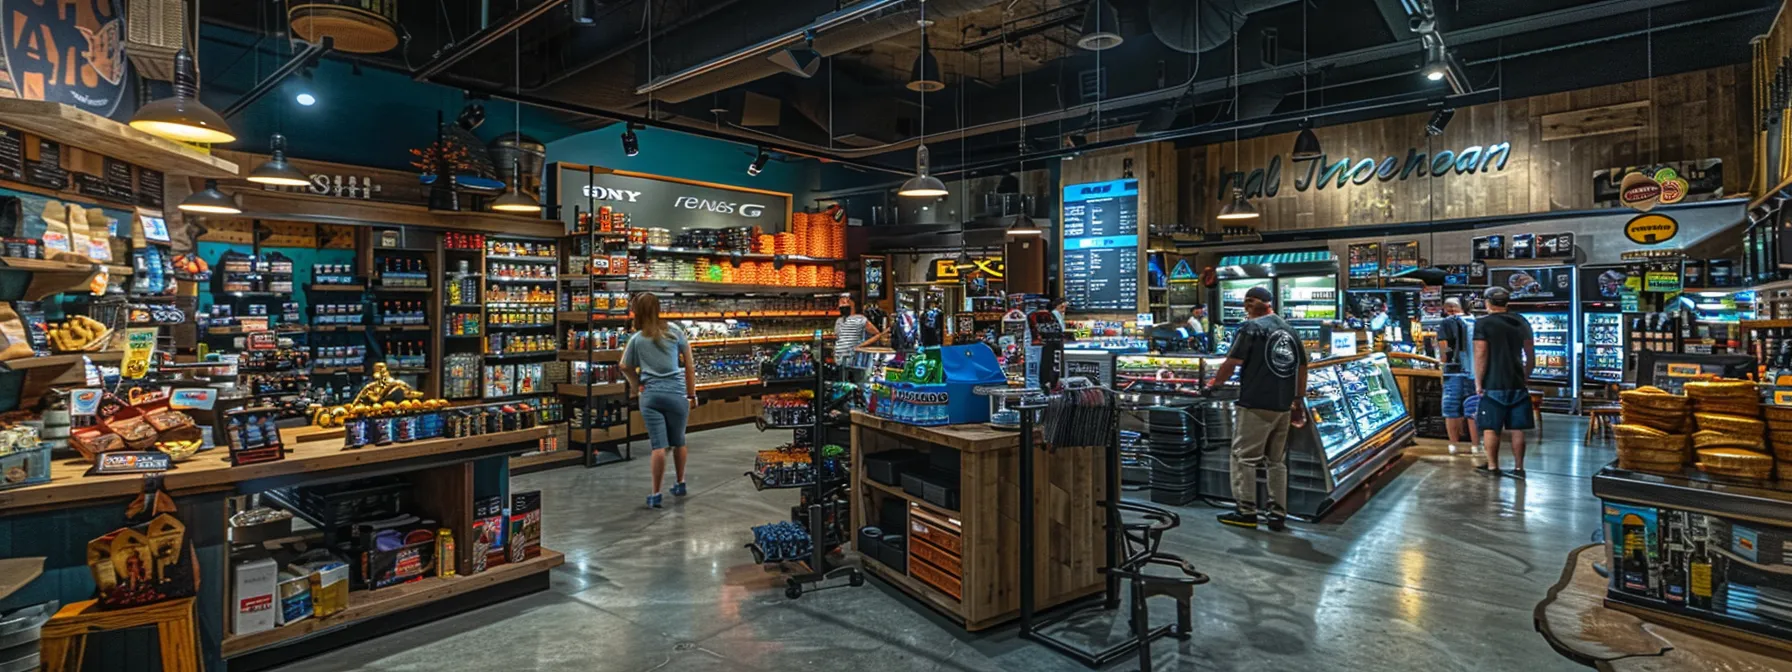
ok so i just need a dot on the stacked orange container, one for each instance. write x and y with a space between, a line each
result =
765 244
806 276
786 244
840 278
840 242
799 231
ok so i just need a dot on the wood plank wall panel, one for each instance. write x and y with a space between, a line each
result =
1696 115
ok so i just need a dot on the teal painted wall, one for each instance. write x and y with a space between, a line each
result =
674 154
369 119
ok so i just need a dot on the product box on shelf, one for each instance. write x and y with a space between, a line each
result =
294 596
525 525
412 558
253 591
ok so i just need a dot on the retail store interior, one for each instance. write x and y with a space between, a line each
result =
354 334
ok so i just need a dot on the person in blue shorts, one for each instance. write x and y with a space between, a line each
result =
1457 352
657 362
1504 348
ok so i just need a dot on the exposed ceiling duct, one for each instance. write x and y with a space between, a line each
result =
856 26
1195 27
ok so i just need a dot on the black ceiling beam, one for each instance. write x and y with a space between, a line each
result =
451 53
1028 30
299 60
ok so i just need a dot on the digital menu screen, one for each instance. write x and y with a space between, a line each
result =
1101 246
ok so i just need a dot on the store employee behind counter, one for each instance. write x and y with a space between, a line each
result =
1270 401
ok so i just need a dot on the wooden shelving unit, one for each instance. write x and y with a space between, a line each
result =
63 123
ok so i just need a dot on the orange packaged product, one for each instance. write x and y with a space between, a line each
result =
786 244
799 231
619 264
604 215
764 244
787 275
839 278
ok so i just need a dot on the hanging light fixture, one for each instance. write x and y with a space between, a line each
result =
924 75
1239 208
758 163
1101 27
923 185
276 170
513 199
1022 225
210 201
181 116
1306 145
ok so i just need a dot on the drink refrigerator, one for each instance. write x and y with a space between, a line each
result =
1603 346
1304 283
1545 296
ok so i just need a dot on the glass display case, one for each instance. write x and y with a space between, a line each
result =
1554 333
1329 412
1370 394
1604 347
1184 375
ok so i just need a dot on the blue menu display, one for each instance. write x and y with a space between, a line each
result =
1101 246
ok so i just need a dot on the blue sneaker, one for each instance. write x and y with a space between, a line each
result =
653 501
678 490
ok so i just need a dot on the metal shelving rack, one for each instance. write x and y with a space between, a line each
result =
597 242
820 495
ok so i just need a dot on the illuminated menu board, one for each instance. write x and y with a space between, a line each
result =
1101 246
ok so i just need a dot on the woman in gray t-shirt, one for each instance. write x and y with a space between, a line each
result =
656 362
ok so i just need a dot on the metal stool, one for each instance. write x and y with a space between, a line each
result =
65 636
1141 541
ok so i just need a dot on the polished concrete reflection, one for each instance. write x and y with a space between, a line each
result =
1438 570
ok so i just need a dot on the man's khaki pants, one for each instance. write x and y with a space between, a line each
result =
1259 440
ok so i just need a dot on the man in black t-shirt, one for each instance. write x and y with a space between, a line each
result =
1272 389
1504 347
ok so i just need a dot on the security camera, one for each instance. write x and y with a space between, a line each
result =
1419 23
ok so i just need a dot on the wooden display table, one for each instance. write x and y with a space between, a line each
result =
965 562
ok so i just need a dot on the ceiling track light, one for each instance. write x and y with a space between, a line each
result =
803 61
758 163
276 170
1101 27
210 201
584 12
631 145
181 116
1440 120
1239 208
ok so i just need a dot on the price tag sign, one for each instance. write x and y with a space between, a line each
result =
1683 370
139 345
193 399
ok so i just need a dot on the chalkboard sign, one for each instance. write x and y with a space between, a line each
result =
149 188
12 154
117 175
668 204
47 170
1101 246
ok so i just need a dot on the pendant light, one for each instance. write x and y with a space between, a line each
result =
1239 208
1101 27
514 200
1306 145
210 201
181 116
276 170
923 185
1022 225
925 74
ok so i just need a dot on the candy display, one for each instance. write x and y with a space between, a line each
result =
597 339
599 373
789 408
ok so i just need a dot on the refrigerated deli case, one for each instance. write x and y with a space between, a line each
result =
1357 424
1305 284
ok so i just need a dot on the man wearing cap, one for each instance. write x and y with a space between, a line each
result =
1504 347
1272 384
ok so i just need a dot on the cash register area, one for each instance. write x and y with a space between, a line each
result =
1440 568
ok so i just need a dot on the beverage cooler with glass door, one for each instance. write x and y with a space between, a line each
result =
1545 296
1603 349
1305 284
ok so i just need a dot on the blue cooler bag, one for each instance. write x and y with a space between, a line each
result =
966 367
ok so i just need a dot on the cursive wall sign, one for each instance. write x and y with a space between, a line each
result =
1320 172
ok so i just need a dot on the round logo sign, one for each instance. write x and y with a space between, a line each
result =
1651 229
70 51
1673 190
1639 191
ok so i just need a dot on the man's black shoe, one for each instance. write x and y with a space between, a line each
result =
1236 519
1278 523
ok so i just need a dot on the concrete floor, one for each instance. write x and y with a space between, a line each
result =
1439 570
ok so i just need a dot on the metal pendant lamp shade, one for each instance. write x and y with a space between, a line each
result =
513 199
1239 208
925 74
276 170
1306 145
922 185
1022 225
1101 27
211 201
181 116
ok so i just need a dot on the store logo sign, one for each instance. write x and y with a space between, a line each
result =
603 193
1651 229
1639 191
1322 171
68 51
